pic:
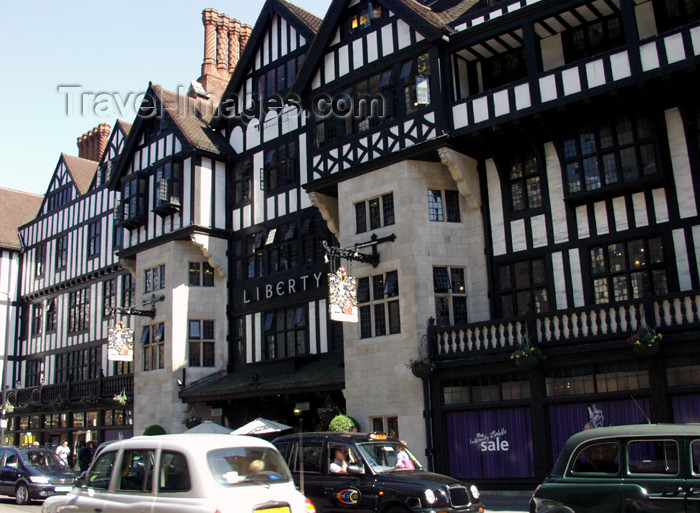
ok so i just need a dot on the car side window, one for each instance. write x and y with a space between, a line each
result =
653 457
695 456
101 471
136 471
307 457
173 474
11 459
598 458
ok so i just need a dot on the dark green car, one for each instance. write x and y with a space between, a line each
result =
651 468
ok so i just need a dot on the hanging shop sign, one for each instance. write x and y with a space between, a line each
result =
120 343
342 296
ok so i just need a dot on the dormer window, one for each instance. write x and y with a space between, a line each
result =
134 203
167 188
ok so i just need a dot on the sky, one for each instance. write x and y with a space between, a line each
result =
54 53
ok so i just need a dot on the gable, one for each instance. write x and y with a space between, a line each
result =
359 33
61 190
272 57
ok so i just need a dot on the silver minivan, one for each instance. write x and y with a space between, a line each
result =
185 473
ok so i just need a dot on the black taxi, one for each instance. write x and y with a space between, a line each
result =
625 469
380 474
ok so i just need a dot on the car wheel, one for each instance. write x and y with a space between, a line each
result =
396 509
22 494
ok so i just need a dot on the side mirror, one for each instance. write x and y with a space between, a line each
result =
80 481
356 469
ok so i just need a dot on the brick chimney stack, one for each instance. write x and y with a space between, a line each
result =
92 144
224 40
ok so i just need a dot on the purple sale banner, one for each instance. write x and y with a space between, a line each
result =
490 444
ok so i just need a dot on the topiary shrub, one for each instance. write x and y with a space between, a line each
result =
342 423
153 430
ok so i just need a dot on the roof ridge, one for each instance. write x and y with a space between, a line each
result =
10 189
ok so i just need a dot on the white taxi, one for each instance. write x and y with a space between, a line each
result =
185 473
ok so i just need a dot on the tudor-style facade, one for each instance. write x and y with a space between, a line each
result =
286 354
69 279
542 191
170 234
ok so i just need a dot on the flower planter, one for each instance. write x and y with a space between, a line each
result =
527 361
190 423
647 348
422 371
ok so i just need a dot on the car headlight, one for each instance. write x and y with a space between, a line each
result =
474 491
430 496
39 479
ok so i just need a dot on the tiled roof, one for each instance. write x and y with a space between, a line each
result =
16 208
439 12
310 20
81 170
193 124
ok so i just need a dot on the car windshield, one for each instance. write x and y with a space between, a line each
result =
39 458
388 456
236 465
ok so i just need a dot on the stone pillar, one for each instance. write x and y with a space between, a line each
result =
222 45
210 18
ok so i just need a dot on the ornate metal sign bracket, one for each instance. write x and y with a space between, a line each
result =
353 253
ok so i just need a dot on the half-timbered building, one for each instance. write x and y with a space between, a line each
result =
16 209
535 161
285 353
171 236
70 280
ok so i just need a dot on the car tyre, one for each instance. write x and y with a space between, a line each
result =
397 509
22 494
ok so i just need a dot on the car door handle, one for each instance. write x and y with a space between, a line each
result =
674 491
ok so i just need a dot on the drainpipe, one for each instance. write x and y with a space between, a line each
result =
431 337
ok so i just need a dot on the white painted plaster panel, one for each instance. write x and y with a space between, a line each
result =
639 205
517 235
649 55
559 280
501 103
601 218
571 81
682 261
313 336
595 73
522 97
538 225
404 34
343 60
329 67
548 88
495 209
685 192
387 40
556 194
481 109
271 214
576 278
372 47
660 205
675 51
620 64
620 213
358 58
459 115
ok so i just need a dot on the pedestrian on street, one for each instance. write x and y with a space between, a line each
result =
63 451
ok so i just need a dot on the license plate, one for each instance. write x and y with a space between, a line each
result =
283 509
63 488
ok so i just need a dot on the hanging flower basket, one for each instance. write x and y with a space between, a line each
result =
122 399
60 404
646 342
191 422
89 401
527 357
327 414
421 368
